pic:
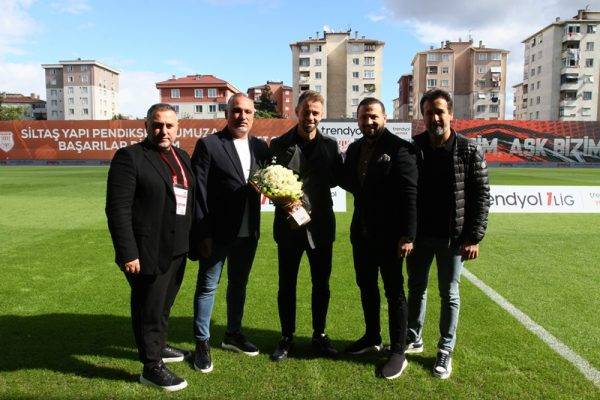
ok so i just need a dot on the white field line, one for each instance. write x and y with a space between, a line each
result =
591 373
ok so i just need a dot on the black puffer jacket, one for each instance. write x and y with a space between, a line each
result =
471 194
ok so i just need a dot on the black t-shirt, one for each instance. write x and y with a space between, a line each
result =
435 190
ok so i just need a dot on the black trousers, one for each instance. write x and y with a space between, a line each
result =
152 297
370 258
289 255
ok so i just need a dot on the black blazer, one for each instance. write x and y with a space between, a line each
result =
222 191
318 173
387 202
140 207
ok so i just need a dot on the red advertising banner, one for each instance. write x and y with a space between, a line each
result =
504 142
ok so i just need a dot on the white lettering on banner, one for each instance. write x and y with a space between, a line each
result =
545 199
540 147
338 195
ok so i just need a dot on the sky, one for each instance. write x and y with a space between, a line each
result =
246 42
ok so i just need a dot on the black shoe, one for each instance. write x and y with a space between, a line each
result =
322 345
237 342
364 345
173 354
283 349
443 364
394 367
202 360
159 376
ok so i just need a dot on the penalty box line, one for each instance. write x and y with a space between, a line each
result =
591 373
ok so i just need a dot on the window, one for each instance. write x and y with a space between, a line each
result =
432 57
532 73
318 47
355 61
71 100
317 75
572 29
589 46
444 82
84 68
561 112
531 101
304 48
369 74
86 111
354 102
355 48
52 71
70 90
431 82
354 114
369 88
355 88
587 95
537 115
175 107
591 29
71 111
537 85
70 78
481 83
532 57
84 100
540 38
589 62
174 93
586 112
482 56
212 93
588 79
444 70
495 57
318 88
355 74
53 92
445 57
84 78
481 108
493 108
317 62
54 103
53 81
538 100
198 108
432 69
481 69
369 47
84 89
304 62
212 108
55 113
198 93
69 68
539 69
369 60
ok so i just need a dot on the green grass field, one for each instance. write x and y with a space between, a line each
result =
65 330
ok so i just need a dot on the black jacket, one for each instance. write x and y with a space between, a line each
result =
386 204
471 190
222 191
318 173
140 207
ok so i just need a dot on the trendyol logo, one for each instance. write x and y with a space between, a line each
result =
539 199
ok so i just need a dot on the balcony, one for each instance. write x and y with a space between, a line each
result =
571 37
568 98
569 82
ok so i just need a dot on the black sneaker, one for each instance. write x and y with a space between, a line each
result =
443 364
322 345
283 349
414 346
202 360
394 367
173 354
364 345
161 377
237 342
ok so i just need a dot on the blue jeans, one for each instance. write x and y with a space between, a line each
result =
239 255
449 266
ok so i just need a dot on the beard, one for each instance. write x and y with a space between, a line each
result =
436 130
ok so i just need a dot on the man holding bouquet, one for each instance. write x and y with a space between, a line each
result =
316 160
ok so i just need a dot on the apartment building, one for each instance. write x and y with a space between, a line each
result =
81 89
561 70
281 94
520 108
342 67
475 76
33 107
405 97
197 96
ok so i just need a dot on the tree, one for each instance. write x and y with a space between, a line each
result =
265 106
10 113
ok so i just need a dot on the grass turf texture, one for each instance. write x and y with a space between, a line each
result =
65 330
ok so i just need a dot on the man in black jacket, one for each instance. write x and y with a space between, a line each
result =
452 218
226 225
316 160
149 206
381 173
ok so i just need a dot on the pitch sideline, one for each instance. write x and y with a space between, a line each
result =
591 373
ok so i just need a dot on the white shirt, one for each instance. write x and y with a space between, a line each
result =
242 148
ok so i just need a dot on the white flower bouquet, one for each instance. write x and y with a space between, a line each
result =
283 187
